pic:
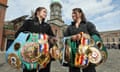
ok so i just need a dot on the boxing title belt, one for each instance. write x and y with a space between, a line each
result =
81 55
12 54
44 57
27 55
65 51
87 50
101 48
35 52
71 55
95 56
55 52
29 50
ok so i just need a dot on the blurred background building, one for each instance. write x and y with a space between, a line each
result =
111 39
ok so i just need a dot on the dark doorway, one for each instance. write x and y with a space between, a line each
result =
118 46
9 42
114 46
108 46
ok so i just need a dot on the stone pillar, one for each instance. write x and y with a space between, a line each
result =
3 6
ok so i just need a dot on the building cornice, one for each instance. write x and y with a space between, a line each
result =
55 3
3 5
56 19
110 31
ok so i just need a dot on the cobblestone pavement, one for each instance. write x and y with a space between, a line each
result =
111 65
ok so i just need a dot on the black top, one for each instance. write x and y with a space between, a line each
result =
34 26
86 27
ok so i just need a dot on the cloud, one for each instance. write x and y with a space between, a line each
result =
23 7
109 21
90 7
12 11
100 12
108 16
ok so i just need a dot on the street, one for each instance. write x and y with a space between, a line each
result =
111 65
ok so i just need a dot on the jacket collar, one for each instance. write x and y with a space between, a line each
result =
82 22
37 20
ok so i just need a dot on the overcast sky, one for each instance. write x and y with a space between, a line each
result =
105 14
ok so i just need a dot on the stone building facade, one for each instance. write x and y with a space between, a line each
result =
56 21
111 39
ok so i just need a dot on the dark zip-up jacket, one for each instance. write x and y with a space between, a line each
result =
34 26
86 27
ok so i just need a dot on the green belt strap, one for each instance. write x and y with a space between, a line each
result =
73 51
33 37
97 38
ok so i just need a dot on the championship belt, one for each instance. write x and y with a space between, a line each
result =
29 50
55 52
12 54
95 56
100 46
36 51
44 57
43 60
81 55
81 60
29 53
14 60
83 51
65 51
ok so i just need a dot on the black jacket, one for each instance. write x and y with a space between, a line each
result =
86 27
34 26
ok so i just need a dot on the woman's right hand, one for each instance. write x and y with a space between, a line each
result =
76 37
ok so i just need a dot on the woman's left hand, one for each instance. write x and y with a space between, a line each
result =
53 40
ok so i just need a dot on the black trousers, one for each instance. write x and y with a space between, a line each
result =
90 68
47 69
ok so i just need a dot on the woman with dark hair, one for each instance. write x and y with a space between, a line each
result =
37 25
80 24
